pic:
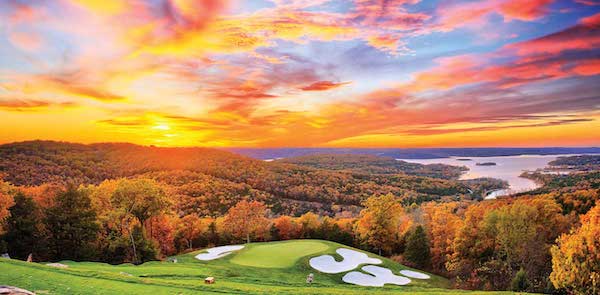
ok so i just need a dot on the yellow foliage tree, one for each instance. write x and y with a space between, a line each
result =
576 258
379 222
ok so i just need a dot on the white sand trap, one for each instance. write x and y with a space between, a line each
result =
218 252
415 274
352 259
380 276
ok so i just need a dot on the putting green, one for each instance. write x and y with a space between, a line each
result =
277 255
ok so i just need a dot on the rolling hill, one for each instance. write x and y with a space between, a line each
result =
293 186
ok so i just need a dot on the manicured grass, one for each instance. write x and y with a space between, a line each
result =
186 277
277 255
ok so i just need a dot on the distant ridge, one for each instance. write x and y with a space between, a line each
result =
412 153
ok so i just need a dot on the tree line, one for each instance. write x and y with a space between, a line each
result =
529 243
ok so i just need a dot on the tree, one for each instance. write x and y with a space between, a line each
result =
310 224
576 258
417 248
287 228
520 282
139 198
142 198
379 221
22 232
71 224
191 228
246 219
6 201
443 225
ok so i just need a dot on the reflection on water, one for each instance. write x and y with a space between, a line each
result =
507 168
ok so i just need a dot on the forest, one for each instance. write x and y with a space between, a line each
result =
124 203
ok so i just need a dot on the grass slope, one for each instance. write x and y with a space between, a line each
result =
260 268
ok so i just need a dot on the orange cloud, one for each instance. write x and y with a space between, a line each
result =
323 85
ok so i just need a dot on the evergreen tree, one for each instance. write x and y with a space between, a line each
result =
519 282
22 232
72 227
417 248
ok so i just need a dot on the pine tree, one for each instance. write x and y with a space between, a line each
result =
22 232
417 248
72 226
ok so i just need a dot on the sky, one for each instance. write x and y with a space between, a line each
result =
301 73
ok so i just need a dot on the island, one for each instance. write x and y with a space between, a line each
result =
464 159
486 164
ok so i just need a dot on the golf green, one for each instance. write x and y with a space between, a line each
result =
282 255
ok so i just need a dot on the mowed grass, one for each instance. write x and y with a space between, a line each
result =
186 276
278 255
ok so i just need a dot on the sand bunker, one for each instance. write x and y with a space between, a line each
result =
352 259
380 276
415 274
218 252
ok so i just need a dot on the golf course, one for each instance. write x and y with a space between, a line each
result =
257 268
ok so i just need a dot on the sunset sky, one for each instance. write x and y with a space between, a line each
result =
271 73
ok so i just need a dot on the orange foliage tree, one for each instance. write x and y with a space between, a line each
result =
246 219
191 227
287 227
442 224
576 258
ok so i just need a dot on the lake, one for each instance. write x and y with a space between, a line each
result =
507 168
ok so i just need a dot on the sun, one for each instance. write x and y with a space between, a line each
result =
161 127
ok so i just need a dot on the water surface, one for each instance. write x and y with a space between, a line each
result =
507 168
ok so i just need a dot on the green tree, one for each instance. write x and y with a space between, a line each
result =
140 199
72 227
23 235
520 282
417 248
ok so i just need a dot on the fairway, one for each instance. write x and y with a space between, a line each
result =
277 255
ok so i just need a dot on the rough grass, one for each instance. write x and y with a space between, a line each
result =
186 277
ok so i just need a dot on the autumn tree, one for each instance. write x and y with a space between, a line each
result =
246 219
71 225
309 223
576 258
190 228
443 224
379 221
417 248
6 201
287 228
141 199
